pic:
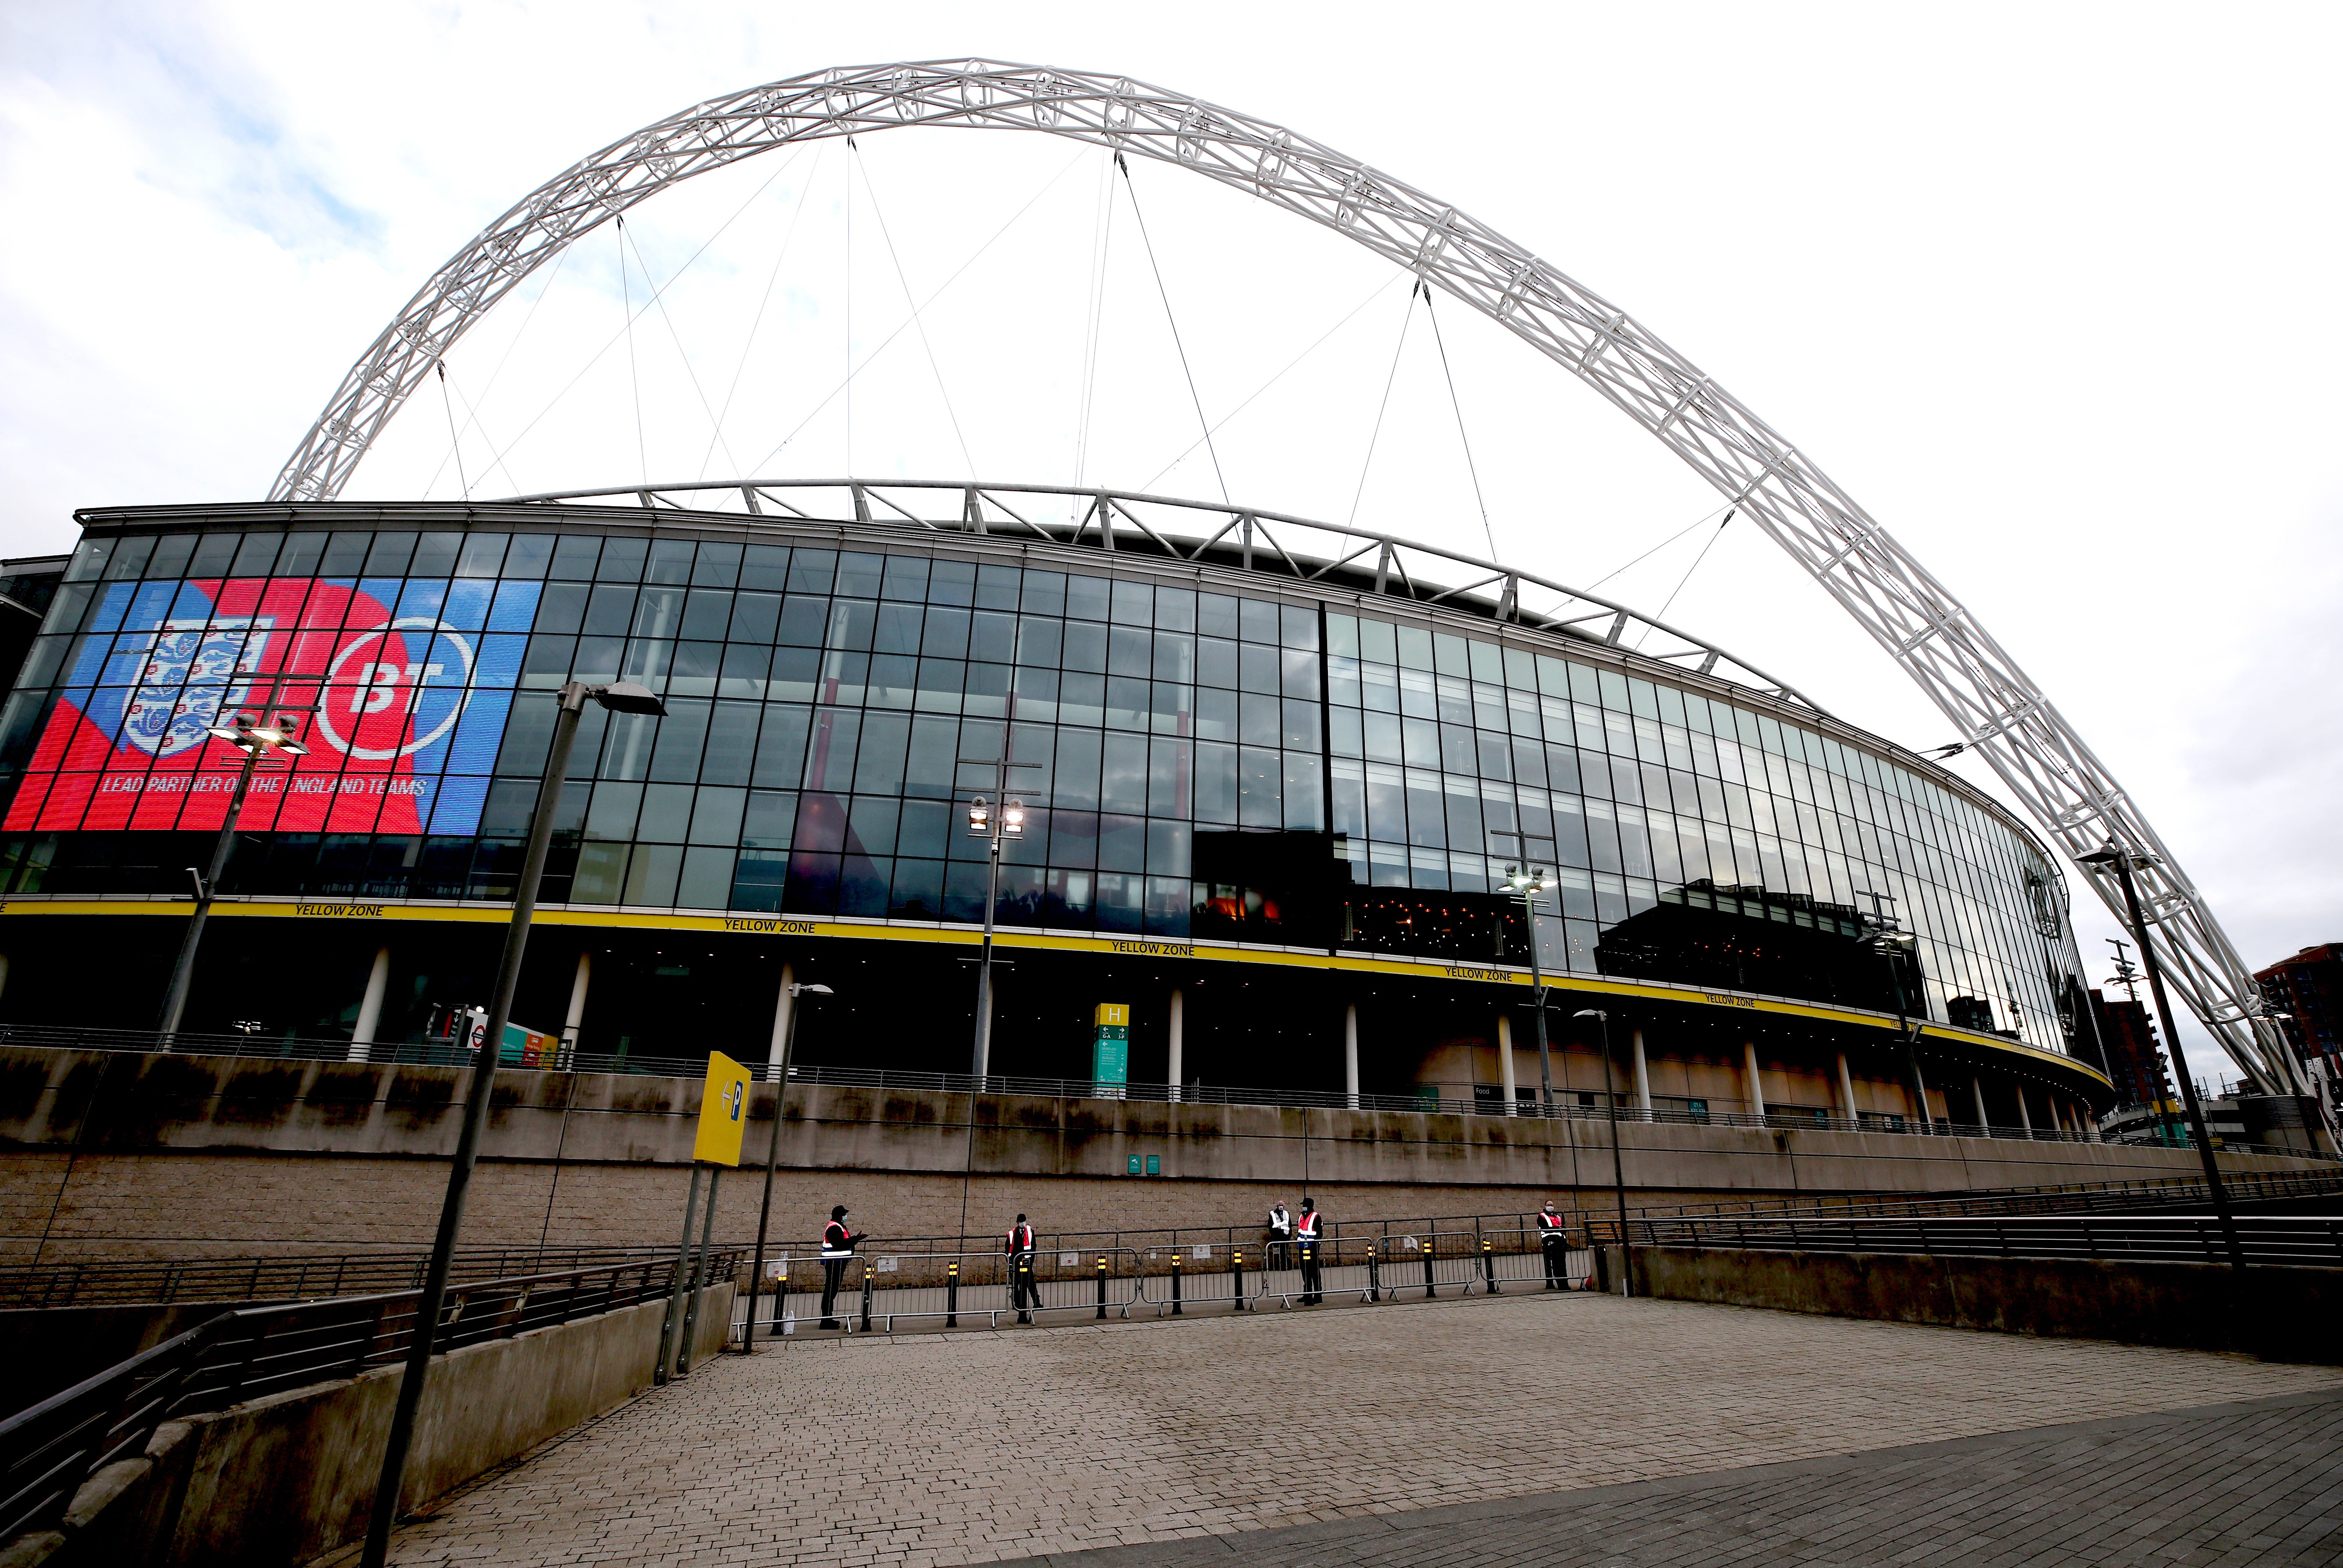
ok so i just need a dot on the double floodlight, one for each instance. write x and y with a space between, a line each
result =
2114 856
276 735
1526 882
981 818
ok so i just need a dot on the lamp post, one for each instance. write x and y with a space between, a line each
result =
1891 943
1618 1167
266 732
993 827
2122 862
618 697
1527 885
798 990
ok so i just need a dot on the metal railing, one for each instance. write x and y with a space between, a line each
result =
884 1292
2273 1240
86 1282
49 1450
2087 1197
442 1054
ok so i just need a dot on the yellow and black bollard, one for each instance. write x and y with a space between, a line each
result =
951 1294
1101 1287
1236 1265
1489 1264
866 1295
1375 1274
1175 1285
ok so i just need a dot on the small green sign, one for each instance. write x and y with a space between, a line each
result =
1154 1165
1134 1165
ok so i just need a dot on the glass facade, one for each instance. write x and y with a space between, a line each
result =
1200 759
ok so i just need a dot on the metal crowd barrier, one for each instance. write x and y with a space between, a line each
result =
879 1290
84 1282
2268 1240
47 1451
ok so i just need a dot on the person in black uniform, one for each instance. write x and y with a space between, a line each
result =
1555 1242
1024 1294
1305 1238
838 1244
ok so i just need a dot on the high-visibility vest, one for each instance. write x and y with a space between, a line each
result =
1549 1223
835 1242
1020 1238
1308 1224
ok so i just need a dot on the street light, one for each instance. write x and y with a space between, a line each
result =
261 734
1618 1169
797 990
2123 864
1526 886
617 697
1890 943
985 823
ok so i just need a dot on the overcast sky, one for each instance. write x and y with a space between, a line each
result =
2049 289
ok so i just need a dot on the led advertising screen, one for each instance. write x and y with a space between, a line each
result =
410 680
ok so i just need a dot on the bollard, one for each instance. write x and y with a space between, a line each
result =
951 1294
780 1301
1430 1289
1024 1285
866 1297
1488 1265
1175 1285
1375 1274
1236 1269
1102 1288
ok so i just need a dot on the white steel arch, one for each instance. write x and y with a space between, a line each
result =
1999 710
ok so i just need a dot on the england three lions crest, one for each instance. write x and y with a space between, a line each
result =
190 672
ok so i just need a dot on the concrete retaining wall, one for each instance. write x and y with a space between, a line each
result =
2279 1314
280 1480
114 1155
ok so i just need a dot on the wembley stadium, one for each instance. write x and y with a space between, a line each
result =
1270 798
1287 790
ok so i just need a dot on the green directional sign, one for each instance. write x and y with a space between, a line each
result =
1111 1049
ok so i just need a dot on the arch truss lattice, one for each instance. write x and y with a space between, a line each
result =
2000 713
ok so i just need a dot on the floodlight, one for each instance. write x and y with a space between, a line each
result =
625 697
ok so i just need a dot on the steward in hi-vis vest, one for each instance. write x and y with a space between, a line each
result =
1024 1294
1305 1238
838 1245
1556 1242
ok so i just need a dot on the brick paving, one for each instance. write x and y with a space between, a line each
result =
2258 1481
981 1447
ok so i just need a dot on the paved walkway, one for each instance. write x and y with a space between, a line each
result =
976 1448
2259 1482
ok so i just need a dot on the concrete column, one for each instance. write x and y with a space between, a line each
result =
1351 1055
2025 1118
1977 1089
1171 1064
1846 1092
1505 1058
369 1006
575 1018
1749 1074
781 1009
1642 1077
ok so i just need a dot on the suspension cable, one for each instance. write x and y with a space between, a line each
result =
1094 315
935 369
1218 425
1729 513
612 341
1376 433
472 421
835 391
681 353
1202 423
454 444
1470 467
634 378
748 343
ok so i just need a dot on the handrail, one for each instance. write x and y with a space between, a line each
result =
2282 1241
48 1450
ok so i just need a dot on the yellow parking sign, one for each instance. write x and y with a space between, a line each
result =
723 1111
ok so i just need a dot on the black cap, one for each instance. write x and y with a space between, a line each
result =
1308 1203
839 1213
1020 1218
